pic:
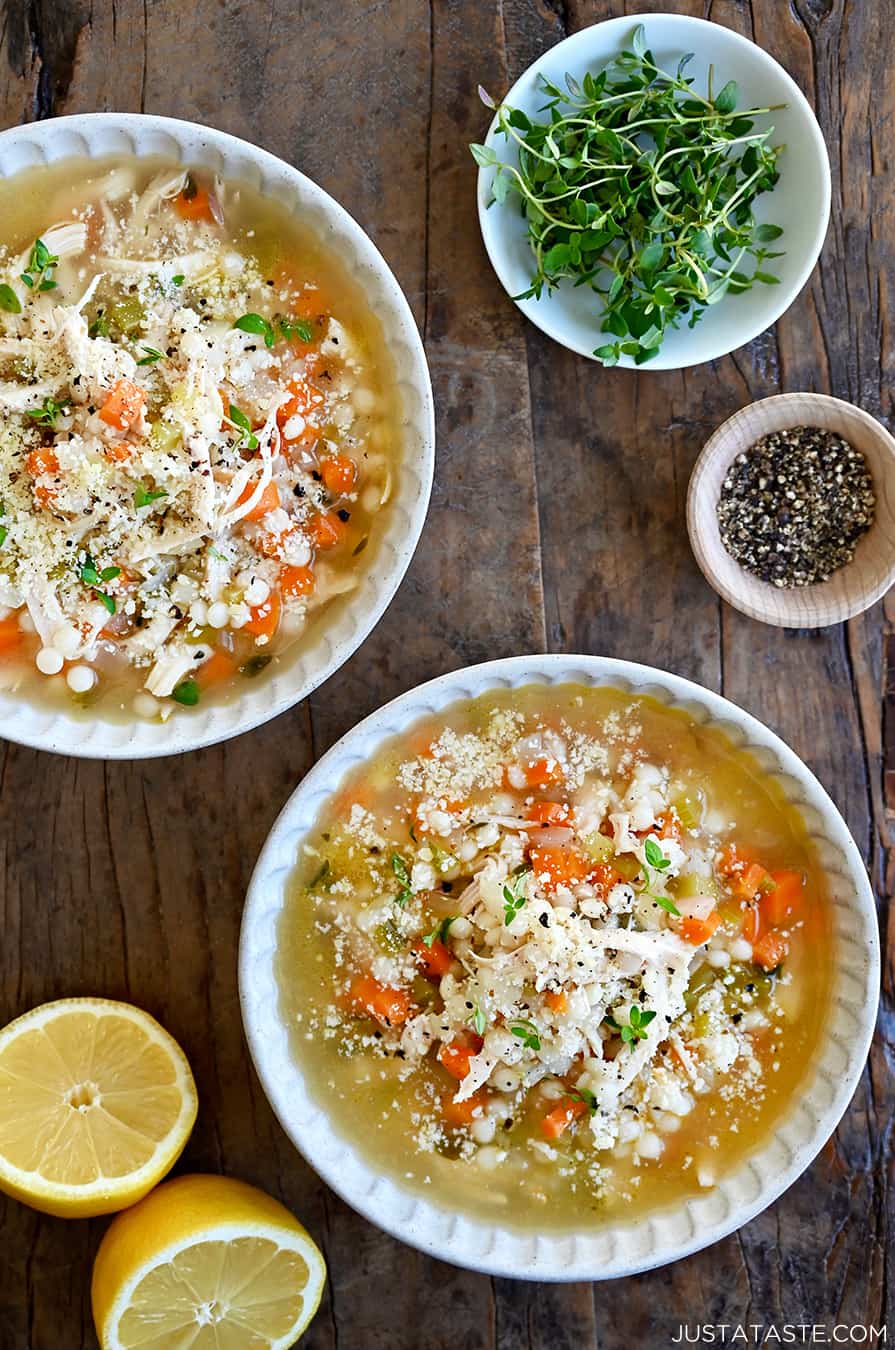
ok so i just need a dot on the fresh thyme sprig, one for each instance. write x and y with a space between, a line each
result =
642 189
527 1033
656 860
402 872
513 900
95 580
38 274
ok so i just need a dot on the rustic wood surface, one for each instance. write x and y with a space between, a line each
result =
127 879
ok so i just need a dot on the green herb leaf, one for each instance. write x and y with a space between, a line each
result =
727 99
178 280
99 327
9 301
152 355
187 693
319 876
143 496
239 420
478 1020
48 413
440 931
668 905
654 855
255 664
527 1033
254 323
291 329
582 1095
38 274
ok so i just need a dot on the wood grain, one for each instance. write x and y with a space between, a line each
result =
557 521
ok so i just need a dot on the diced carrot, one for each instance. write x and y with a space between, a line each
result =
327 530
194 202
751 923
540 772
296 581
603 877
389 1006
557 1121
267 502
699 931
783 902
119 452
433 961
770 950
557 1002
460 1114
753 879
668 826
123 405
339 473
11 634
304 402
455 1057
42 461
273 545
559 865
309 304
733 860
264 619
220 666
44 496
548 813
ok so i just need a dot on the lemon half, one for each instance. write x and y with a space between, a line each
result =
205 1263
96 1104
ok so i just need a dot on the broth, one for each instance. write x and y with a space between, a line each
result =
195 475
538 1156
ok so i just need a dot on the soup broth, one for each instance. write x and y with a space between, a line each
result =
200 439
555 956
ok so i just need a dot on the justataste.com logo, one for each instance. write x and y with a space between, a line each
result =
787 1333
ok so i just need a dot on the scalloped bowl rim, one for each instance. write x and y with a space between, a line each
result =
548 315
618 1249
97 135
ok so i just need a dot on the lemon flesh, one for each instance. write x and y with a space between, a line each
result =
205 1263
96 1104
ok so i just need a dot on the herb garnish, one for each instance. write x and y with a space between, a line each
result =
178 280
289 329
187 693
152 355
527 1033
656 860
94 579
48 412
99 327
635 1027
582 1095
478 1020
38 274
439 932
319 876
4 529
144 497
256 664
402 872
641 189
9 300
513 901
239 420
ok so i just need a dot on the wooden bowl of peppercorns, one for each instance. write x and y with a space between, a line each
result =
791 510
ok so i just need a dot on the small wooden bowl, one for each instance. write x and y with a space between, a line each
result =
854 587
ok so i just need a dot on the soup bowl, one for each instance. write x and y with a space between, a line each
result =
619 1246
99 136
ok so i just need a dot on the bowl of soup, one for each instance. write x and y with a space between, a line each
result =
559 967
217 435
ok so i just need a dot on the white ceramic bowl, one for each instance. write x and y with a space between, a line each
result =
800 202
622 1248
96 135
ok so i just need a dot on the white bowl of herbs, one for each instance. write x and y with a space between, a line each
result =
653 193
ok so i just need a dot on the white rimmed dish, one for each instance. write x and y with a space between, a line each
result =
618 1248
800 202
857 585
98 135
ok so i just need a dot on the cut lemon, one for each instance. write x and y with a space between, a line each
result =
96 1104
205 1263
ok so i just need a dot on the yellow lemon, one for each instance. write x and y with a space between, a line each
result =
205 1263
96 1104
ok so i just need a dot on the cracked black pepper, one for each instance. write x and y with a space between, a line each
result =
794 505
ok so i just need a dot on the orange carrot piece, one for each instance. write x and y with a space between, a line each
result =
698 931
668 826
327 530
119 453
389 1006
753 879
455 1057
42 461
194 202
783 902
123 405
733 860
460 1114
540 772
296 581
548 813
339 473
557 1002
557 1121
44 496
267 502
558 865
220 666
770 950
433 961
264 619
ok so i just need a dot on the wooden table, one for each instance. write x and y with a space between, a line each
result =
557 522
